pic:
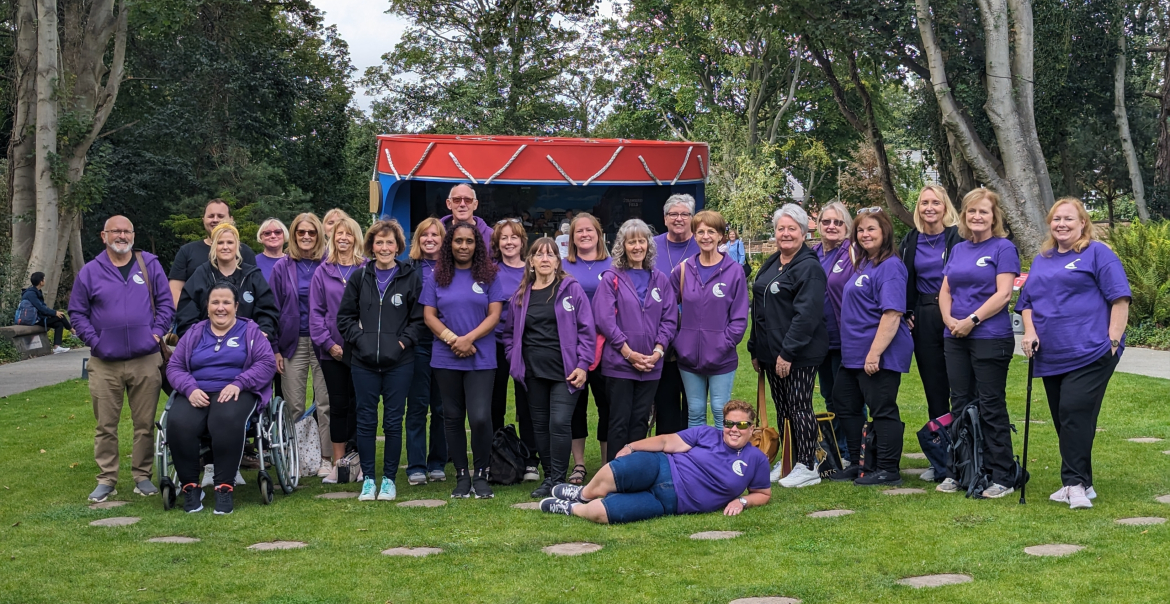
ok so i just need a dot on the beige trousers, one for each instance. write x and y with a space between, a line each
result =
110 383
295 382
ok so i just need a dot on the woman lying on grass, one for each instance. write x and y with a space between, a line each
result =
694 471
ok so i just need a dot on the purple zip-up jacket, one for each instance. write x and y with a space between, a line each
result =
255 376
288 305
714 317
641 325
112 315
485 231
575 330
325 292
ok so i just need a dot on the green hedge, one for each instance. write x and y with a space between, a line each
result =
1144 250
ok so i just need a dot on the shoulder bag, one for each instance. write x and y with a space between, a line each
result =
764 437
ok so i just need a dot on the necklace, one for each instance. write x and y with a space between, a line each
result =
936 238
345 276
307 267
670 256
382 283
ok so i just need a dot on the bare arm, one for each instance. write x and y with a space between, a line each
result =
664 443
885 334
1118 317
176 289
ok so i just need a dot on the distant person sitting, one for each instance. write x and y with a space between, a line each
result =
695 471
50 318
194 254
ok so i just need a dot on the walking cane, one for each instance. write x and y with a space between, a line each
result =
1028 420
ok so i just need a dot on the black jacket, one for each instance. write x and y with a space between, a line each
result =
256 299
907 250
37 299
788 312
372 325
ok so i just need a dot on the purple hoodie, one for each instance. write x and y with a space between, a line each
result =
288 321
574 330
623 319
324 299
714 317
484 230
255 376
112 315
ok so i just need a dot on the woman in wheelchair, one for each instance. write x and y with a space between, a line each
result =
221 369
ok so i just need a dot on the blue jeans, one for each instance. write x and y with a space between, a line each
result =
645 488
424 396
697 386
390 387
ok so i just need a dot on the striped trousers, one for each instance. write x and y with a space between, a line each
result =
793 397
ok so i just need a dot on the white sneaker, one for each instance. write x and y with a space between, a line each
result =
995 491
949 485
1061 496
1078 499
239 478
928 475
800 476
331 477
775 475
60 349
325 468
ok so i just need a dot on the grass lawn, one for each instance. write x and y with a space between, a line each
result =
492 552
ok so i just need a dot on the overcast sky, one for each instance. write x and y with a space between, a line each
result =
369 31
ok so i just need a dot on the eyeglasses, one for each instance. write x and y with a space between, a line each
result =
304 233
869 210
461 201
678 215
832 222
118 233
740 425
272 233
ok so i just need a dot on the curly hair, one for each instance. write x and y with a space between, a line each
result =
737 405
633 228
483 270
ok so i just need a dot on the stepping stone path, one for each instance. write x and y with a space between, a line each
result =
1053 549
830 513
716 535
1145 441
106 505
914 471
338 495
903 492
1166 452
575 548
173 540
271 545
914 455
1141 521
423 503
766 600
934 580
528 505
417 552
1163 499
116 521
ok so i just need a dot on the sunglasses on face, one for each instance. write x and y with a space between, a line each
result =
832 222
461 201
302 233
271 233
739 425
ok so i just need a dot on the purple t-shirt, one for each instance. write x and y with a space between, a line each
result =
305 270
840 274
971 274
874 290
712 474
928 262
384 276
214 370
509 280
641 279
828 262
265 264
670 254
462 306
1070 296
705 272
588 273
428 270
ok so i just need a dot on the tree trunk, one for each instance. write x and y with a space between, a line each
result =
1023 43
1162 164
22 176
1119 111
44 250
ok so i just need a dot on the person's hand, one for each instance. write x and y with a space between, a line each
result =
756 365
463 346
336 351
198 399
910 321
157 339
1030 344
873 362
782 367
734 508
61 315
231 392
577 378
962 327
279 364
626 450
403 346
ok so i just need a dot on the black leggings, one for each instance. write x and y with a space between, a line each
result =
57 324
500 405
670 408
596 383
467 399
342 407
552 419
793 397
855 391
631 402
226 424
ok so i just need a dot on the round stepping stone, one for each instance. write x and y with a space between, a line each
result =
1145 441
914 455
116 521
934 580
271 545
1053 549
903 492
830 513
1163 499
416 552
106 505
338 495
1166 452
423 503
716 535
766 600
914 471
175 539
528 505
1141 521
575 548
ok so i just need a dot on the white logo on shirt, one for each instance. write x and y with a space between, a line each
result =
837 267
567 305
737 466
982 261
599 277
396 299
248 297
138 280
775 288
860 281
654 294
1072 266
717 289
233 342
475 287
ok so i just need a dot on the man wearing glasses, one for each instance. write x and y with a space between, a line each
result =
674 246
462 203
195 253
120 308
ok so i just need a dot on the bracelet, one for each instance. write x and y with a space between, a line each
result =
447 336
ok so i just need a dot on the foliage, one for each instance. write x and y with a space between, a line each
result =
1144 250
1148 335
747 190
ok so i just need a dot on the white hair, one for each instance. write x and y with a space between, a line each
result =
633 228
795 212
677 199
264 225
838 207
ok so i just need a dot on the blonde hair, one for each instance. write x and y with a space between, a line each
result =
602 253
424 226
340 213
355 231
216 233
712 219
1046 249
997 220
294 250
950 216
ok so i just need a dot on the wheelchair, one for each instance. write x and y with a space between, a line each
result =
271 430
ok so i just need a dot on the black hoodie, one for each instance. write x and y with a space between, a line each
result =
908 248
788 312
256 300
372 325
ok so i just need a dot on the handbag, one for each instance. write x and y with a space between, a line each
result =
828 454
764 437
308 442
935 440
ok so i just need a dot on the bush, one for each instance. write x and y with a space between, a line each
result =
1144 250
1148 335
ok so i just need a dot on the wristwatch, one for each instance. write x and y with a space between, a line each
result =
974 318
1115 343
743 502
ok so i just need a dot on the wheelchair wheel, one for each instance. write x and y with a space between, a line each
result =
265 488
284 447
168 493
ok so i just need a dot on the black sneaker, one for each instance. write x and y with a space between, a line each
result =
848 474
878 477
191 502
480 487
568 492
552 505
462 485
223 499
544 490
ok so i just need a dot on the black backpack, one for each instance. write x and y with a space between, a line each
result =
509 456
965 459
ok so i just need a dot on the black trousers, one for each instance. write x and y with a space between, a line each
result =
467 399
226 424
342 402
57 324
793 398
670 406
596 383
630 403
855 390
500 404
930 355
978 375
552 419
827 376
1074 398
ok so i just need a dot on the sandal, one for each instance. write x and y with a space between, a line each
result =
577 477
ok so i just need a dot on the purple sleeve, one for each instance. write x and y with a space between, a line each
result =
259 375
740 304
891 288
509 324
319 312
178 372
496 291
760 479
79 309
691 436
164 303
604 315
668 325
429 296
1008 259
586 332
1111 279
675 278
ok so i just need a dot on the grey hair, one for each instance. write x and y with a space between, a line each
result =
462 184
838 207
268 221
796 213
676 199
632 228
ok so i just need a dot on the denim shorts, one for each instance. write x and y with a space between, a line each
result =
645 488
